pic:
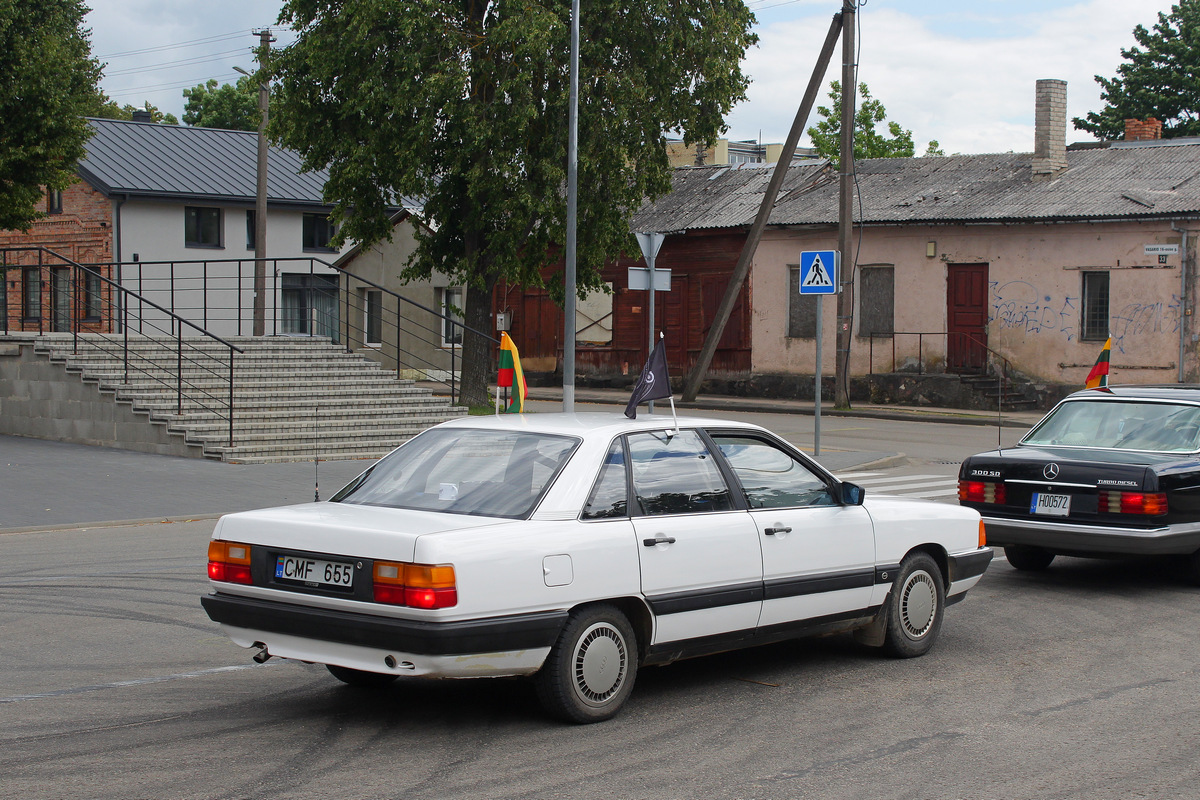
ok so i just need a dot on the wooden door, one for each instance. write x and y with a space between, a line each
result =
966 317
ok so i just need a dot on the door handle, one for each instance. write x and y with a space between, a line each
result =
658 540
780 529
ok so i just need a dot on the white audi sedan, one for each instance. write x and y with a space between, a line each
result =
576 548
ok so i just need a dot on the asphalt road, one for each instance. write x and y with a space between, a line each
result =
1076 683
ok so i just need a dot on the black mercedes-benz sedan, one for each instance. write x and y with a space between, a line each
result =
1111 471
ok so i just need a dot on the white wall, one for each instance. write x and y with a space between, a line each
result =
153 231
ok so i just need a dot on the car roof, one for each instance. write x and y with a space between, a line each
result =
589 423
1185 392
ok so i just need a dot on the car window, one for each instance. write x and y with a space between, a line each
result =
673 473
465 471
1162 427
610 495
771 477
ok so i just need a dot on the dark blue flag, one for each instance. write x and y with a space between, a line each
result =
653 383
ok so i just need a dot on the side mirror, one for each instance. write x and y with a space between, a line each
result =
852 494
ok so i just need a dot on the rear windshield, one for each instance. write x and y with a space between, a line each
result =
1120 425
464 471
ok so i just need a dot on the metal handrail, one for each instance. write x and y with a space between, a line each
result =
118 323
1002 373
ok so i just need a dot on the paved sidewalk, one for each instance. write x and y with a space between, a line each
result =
46 484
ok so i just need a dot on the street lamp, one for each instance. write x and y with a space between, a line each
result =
260 211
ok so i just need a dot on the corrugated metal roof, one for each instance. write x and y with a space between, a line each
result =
1151 179
151 160
720 197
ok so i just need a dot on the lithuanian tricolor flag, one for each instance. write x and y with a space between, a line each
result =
511 375
1098 377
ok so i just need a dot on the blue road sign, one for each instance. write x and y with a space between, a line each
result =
819 271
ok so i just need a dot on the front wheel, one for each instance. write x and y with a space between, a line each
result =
1028 558
915 607
591 669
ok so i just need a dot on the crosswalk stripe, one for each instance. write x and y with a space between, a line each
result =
853 476
902 478
904 487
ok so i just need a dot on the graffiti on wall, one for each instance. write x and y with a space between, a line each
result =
1019 305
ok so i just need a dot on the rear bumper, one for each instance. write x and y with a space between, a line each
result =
490 635
1058 537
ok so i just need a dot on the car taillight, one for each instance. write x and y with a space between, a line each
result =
229 561
415 585
982 492
1150 504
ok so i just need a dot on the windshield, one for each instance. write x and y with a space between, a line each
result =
1120 425
464 471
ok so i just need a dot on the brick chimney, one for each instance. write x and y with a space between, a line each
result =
1137 130
1050 129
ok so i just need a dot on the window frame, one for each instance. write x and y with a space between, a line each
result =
1089 297
372 318
31 277
865 303
54 201
451 336
310 233
194 236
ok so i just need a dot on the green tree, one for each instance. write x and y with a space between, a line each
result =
1158 80
105 107
49 80
826 135
465 105
230 106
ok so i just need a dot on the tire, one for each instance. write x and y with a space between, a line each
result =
1028 558
360 678
591 668
915 607
1192 568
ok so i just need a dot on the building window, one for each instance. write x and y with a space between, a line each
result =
876 301
31 294
318 230
802 308
201 227
54 201
251 229
309 304
92 299
451 304
594 318
373 311
1095 306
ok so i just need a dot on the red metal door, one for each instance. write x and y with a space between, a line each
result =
966 317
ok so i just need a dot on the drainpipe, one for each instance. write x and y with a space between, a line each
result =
117 252
1183 260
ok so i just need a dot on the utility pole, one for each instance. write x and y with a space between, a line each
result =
260 193
692 385
845 298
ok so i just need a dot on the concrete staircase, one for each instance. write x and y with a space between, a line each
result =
294 398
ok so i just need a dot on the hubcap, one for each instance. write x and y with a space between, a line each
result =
918 603
599 664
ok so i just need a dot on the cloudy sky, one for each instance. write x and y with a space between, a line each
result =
958 71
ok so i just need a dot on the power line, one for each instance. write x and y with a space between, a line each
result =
181 63
162 87
190 43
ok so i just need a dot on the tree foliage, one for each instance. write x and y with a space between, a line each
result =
105 107
49 81
1158 79
826 135
465 105
230 106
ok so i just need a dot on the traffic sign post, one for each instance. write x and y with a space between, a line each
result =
819 273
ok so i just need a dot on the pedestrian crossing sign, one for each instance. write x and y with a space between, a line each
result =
819 271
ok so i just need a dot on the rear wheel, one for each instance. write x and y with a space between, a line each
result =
1193 567
1028 558
591 669
915 606
359 677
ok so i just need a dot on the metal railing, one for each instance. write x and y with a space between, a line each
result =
991 361
58 295
305 297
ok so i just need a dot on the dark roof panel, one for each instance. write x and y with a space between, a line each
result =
148 160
